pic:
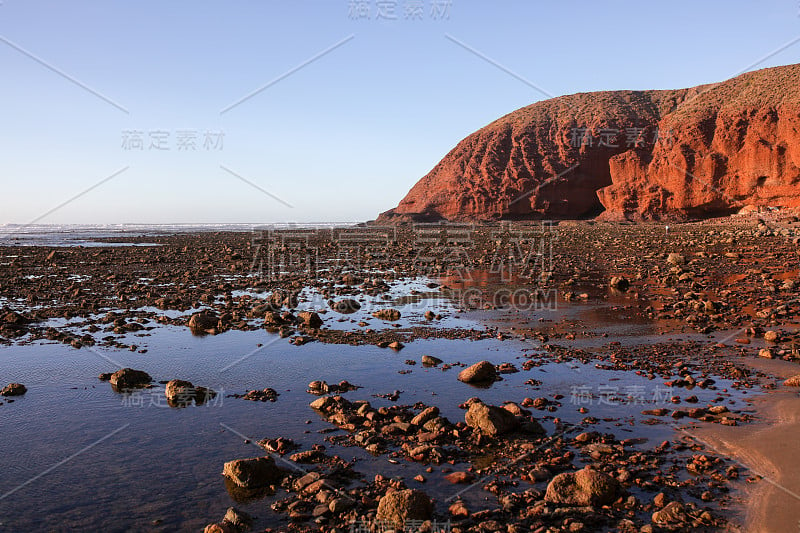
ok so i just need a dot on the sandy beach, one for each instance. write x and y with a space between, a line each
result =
769 449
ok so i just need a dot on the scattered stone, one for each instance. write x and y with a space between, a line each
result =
429 360
252 473
240 519
584 487
490 419
620 283
458 510
13 389
793 381
178 390
346 306
427 414
320 387
273 318
482 372
675 259
389 315
460 477
181 393
673 514
204 322
281 445
310 319
221 527
128 378
400 506
264 395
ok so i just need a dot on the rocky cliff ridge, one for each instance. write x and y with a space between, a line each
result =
637 155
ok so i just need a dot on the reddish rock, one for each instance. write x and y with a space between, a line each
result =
459 477
403 505
721 147
387 314
458 510
584 487
793 381
482 372
489 419
310 319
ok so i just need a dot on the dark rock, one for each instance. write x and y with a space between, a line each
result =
346 306
252 473
429 360
204 322
128 378
13 389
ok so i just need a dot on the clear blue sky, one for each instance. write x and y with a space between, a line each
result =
340 139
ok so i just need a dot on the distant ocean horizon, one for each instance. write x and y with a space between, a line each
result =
86 234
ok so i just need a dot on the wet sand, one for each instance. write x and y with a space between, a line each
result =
769 448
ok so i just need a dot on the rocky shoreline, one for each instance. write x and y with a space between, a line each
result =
713 297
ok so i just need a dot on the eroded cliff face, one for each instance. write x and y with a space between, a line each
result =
685 153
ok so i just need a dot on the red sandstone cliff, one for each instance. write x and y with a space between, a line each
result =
697 152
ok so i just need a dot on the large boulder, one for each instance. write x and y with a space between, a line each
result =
490 419
403 505
583 488
482 372
128 378
252 473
